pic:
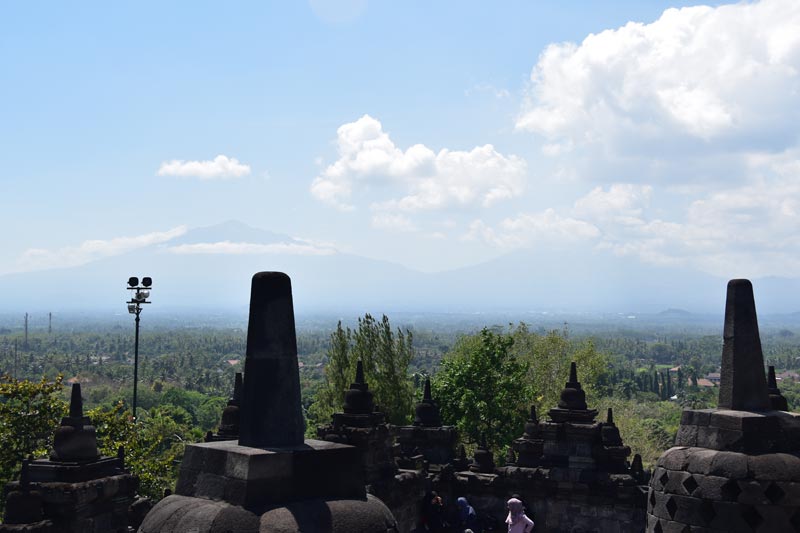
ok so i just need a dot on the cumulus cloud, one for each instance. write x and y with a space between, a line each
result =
40 258
221 167
249 248
529 228
715 79
393 222
622 202
428 180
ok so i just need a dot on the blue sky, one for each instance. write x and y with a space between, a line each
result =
432 134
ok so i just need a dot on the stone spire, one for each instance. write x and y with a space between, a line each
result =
229 425
776 399
572 404
742 386
75 439
573 397
532 425
358 400
427 411
271 414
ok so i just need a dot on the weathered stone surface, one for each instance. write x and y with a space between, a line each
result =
334 516
180 514
254 477
426 412
776 399
743 385
75 440
271 414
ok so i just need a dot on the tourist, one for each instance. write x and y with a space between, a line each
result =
517 520
433 515
467 518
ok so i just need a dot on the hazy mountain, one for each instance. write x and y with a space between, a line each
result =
187 275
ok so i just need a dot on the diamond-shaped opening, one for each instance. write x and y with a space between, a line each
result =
671 506
707 511
690 484
658 528
663 479
774 493
731 490
652 498
795 521
751 517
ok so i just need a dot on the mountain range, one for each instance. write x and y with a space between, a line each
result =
209 268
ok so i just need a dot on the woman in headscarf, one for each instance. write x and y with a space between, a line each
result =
517 521
467 518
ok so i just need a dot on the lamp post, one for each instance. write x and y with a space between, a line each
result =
138 297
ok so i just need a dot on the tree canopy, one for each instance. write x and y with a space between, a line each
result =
386 355
482 388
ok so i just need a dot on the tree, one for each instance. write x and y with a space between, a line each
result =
153 446
386 355
549 356
29 414
482 389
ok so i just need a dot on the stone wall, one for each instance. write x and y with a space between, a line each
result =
555 506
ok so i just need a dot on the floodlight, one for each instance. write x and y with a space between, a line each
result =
147 281
132 308
133 281
143 295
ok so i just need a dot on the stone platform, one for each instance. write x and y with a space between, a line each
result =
256 477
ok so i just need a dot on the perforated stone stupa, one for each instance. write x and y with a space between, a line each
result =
271 479
737 467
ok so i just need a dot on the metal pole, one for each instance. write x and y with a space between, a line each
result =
136 362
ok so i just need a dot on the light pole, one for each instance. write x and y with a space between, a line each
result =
139 297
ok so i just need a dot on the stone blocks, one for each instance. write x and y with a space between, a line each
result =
255 477
712 490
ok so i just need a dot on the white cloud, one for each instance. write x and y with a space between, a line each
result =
622 202
427 180
39 258
714 79
221 167
393 222
249 248
529 228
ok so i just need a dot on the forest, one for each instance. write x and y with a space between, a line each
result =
484 378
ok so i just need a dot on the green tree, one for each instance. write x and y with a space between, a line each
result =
386 355
153 446
482 388
549 356
29 414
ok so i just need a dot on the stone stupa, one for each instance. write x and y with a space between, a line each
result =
271 480
737 467
76 489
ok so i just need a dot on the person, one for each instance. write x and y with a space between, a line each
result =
517 520
434 512
467 518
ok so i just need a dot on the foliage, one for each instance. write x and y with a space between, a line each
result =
482 388
549 356
29 414
153 446
386 356
649 428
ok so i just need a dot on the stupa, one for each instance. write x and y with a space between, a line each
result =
271 479
737 467
76 489
427 436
